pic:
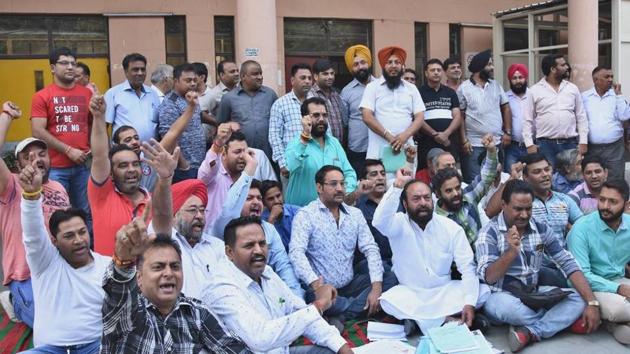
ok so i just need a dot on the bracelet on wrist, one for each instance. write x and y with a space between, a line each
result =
26 194
305 137
67 150
120 263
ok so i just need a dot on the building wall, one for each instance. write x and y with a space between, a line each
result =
391 24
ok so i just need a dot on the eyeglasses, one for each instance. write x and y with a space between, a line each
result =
334 184
318 115
67 63
194 211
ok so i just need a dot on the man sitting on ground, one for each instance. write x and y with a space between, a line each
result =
595 175
277 212
568 173
251 300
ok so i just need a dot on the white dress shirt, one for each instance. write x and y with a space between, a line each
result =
605 114
268 317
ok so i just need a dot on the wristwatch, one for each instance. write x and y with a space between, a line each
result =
508 132
593 303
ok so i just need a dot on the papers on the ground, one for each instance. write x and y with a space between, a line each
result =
452 337
385 346
392 161
378 331
482 346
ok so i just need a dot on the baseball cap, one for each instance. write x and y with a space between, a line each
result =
28 141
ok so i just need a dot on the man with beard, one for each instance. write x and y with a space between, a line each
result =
250 105
60 116
277 212
285 117
460 205
586 194
323 80
453 69
326 233
392 108
359 62
442 116
607 110
554 112
486 111
132 102
517 96
510 251
17 277
251 300
314 148
424 246
600 243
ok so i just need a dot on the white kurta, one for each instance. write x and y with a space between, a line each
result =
422 263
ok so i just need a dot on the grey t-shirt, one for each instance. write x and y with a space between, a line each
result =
483 110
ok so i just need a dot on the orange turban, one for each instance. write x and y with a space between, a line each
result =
385 53
185 189
357 50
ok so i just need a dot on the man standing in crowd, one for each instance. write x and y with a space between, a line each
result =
82 76
162 80
60 116
392 108
586 194
554 112
132 102
250 105
176 105
359 63
29 152
453 69
285 117
442 117
510 251
323 80
600 243
411 76
486 112
606 109
228 78
517 96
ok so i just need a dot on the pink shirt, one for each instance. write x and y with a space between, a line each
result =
218 181
13 254
554 115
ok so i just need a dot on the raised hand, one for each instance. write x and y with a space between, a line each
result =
97 106
307 125
223 134
410 153
11 109
160 160
514 239
192 98
31 177
132 239
516 171
403 176
365 187
617 88
251 164
488 142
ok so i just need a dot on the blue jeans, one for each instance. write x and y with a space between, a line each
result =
351 298
87 348
471 167
513 154
22 299
505 308
551 147
74 180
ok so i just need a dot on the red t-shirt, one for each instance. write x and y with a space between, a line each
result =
69 118
423 175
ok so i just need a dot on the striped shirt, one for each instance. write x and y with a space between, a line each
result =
537 241
334 107
285 124
584 198
557 212
483 110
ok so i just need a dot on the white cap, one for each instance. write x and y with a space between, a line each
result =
26 142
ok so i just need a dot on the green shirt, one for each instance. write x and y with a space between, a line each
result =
304 160
600 251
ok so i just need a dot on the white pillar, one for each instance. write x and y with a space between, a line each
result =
583 48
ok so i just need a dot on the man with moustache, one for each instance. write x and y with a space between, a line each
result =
425 245
132 102
517 96
228 78
595 174
18 303
176 105
554 111
162 80
252 300
600 243
410 75
323 80
453 69
250 105
510 251
442 116
358 60
285 116
277 212
607 110
392 108
326 233
314 148
486 111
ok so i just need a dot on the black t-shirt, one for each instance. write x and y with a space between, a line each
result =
439 105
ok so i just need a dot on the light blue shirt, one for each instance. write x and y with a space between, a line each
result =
277 257
605 116
124 107
516 106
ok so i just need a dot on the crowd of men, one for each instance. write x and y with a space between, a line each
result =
178 217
